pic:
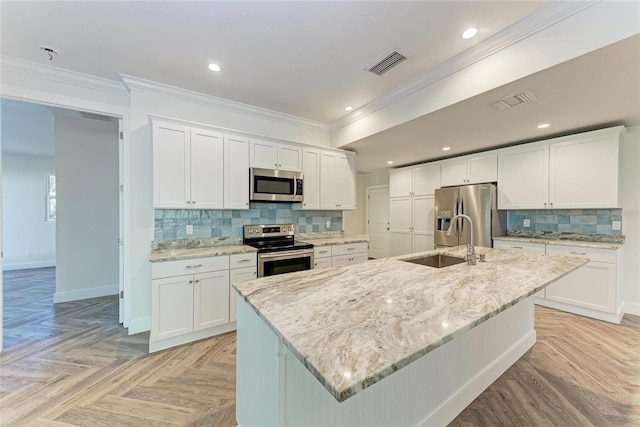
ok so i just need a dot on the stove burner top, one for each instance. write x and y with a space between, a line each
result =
273 238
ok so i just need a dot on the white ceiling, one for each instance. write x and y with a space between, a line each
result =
308 58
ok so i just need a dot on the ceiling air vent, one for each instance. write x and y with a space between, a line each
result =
513 100
389 62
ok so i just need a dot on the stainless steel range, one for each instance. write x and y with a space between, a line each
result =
278 250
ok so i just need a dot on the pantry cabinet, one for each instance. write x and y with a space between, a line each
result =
411 224
573 172
271 155
473 169
187 168
311 178
414 181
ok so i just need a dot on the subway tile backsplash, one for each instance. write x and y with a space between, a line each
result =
586 221
171 224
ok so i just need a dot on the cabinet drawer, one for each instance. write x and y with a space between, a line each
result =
594 254
189 266
350 248
322 262
243 260
321 251
538 248
348 259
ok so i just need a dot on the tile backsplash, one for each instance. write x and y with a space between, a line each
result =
587 221
171 224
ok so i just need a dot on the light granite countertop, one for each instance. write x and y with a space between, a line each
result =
558 242
352 326
172 250
336 240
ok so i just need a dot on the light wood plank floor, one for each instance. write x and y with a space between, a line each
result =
72 364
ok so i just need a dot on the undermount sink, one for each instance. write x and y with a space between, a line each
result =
437 261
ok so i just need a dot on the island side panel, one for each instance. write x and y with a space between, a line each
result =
257 370
431 391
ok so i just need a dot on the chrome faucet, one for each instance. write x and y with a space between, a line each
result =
471 249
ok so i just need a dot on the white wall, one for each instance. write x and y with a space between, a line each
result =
631 220
29 241
88 208
354 222
597 26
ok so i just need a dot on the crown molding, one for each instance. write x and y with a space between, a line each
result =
49 72
538 21
220 103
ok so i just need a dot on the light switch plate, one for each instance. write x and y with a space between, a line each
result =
526 223
616 225
328 223
189 229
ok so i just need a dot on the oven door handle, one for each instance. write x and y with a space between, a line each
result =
286 255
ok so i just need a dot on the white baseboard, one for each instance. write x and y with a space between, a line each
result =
27 265
85 293
629 307
142 324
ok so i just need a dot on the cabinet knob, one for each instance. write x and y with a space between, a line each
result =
190 281
188 203
247 204
198 281
193 203
551 204
545 205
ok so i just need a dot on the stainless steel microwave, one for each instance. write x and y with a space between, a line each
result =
275 185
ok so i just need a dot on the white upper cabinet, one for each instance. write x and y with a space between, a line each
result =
337 181
414 181
571 172
207 170
271 155
236 172
311 178
583 172
473 169
187 168
523 177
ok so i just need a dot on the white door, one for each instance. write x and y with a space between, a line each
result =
264 154
423 223
400 225
171 182
483 168
328 180
378 221
523 177
346 182
289 157
311 178
120 223
171 307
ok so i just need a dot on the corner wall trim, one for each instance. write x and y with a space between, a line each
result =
142 324
629 307
85 294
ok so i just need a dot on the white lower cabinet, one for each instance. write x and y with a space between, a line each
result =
322 256
347 254
242 267
592 290
190 300
336 255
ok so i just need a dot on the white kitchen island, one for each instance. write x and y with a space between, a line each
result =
385 342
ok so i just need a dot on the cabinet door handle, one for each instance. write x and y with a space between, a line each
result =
517 247
323 252
244 260
188 202
577 253
551 204
193 202
193 266
198 281
190 281
351 249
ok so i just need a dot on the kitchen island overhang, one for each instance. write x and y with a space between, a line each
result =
353 327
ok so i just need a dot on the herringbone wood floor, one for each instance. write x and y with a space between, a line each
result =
72 364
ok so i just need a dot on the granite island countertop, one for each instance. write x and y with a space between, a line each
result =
352 326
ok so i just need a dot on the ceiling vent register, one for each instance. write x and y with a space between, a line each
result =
516 99
390 61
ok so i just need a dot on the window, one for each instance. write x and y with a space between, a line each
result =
50 190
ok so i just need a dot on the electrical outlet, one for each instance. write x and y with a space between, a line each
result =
616 225
328 223
526 223
189 229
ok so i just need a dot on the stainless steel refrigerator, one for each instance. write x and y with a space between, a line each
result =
478 201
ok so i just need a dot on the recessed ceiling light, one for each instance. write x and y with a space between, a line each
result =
390 162
348 108
214 67
469 32
446 148
543 125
